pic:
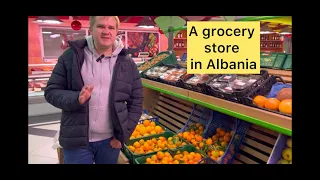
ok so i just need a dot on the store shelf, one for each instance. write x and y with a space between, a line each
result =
269 120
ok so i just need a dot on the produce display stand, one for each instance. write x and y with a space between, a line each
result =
264 139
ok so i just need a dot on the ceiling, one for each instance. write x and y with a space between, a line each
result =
276 24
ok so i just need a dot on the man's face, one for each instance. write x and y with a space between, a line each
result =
104 31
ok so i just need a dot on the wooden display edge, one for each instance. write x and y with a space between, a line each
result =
269 120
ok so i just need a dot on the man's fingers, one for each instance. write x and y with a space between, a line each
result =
81 99
91 88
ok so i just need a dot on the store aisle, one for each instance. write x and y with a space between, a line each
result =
40 142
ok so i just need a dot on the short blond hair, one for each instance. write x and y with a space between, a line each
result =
93 20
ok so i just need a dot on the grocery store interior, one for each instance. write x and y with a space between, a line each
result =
187 118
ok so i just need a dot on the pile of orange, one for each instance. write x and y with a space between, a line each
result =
284 106
193 134
155 144
184 157
216 146
146 128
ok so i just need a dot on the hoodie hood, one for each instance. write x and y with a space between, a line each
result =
117 45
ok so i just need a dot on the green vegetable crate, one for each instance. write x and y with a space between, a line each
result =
267 59
189 148
279 61
288 63
131 156
170 59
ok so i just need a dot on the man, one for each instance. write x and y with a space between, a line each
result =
99 90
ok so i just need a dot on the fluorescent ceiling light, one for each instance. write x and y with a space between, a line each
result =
146 22
46 32
48 20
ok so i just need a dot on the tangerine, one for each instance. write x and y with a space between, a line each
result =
272 104
259 100
285 106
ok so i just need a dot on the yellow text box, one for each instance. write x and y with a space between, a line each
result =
224 47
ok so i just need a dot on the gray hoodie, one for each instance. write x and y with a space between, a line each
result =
99 74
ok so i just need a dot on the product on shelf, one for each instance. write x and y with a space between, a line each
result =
285 93
156 71
286 153
174 74
282 102
197 79
193 134
37 85
154 144
216 145
231 82
152 62
146 128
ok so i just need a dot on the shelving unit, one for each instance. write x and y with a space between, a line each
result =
271 42
180 43
269 120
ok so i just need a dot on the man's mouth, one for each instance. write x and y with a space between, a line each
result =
105 38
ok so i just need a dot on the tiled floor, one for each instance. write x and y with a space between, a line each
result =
41 141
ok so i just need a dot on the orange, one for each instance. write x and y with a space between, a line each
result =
228 134
135 133
272 104
226 139
160 155
149 129
166 154
148 160
190 157
199 138
201 144
175 162
154 158
136 144
146 122
221 153
143 130
158 129
132 148
285 106
153 124
198 125
218 130
222 133
153 132
209 141
259 100
201 128
214 138
180 135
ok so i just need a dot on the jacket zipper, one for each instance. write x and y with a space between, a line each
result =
115 71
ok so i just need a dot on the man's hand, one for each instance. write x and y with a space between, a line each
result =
85 93
115 143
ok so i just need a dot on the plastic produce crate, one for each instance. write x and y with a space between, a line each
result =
200 87
131 156
154 119
276 153
267 60
263 90
178 82
189 148
279 61
237 95
228 124
170 59
204 120
288 63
